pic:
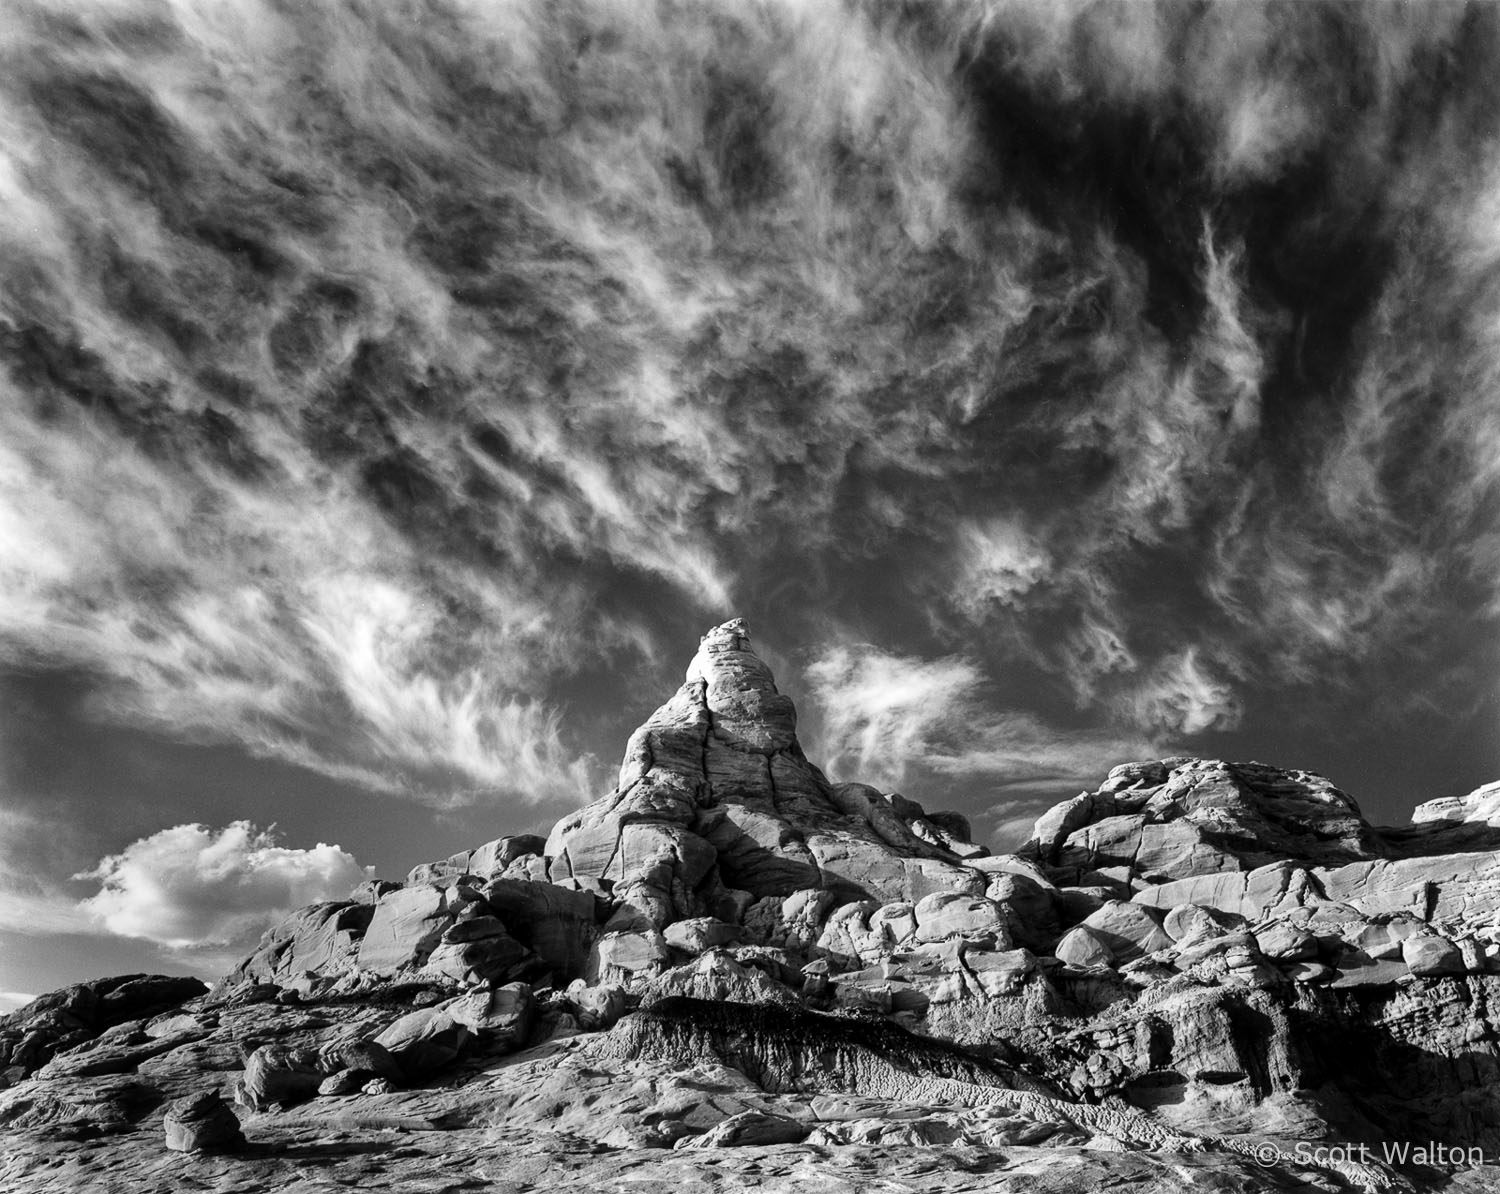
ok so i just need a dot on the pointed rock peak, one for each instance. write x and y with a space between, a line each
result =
733 635
727 646
743 703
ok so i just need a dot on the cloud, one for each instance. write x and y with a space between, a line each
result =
882 712
11 1000
336 416
370 380
1183 695
998 562
37 910
885 717
191 886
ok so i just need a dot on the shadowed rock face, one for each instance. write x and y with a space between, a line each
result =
64 1019
786 1049
728 953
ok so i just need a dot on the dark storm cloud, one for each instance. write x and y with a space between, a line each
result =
371 367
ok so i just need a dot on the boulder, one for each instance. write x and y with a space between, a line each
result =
496 958
864 933
1228 957
717 978
622 956
596 1007
62 1020
894 924
363 1059
1058 823
891 817
319 940
1029 908
1309 972
555 923
750 1128
1193 922
999 972
276 1074
699 934
793 922
343 1082
370 890
863 869
1385 938
1358 969
202 1123
947 914
1082 947
1286 941
1129 930
1479 807
406 926
485 862
424 1041
501 1019
473 928
1430 955
139 996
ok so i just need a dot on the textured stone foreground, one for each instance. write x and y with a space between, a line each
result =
729 973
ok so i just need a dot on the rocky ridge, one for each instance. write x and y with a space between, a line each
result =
1191 977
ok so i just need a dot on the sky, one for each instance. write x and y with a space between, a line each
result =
392 393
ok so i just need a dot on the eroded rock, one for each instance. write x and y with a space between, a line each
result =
202 1123
728 953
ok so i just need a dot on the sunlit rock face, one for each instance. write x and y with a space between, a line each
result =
1181 817
1186 971
717 807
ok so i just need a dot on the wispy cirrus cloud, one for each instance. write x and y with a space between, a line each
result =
883 718
1183 695
368 376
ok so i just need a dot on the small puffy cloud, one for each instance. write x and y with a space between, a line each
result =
192 886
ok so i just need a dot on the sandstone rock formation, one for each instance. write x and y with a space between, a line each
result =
1185 975
202 1123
